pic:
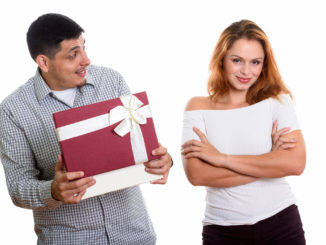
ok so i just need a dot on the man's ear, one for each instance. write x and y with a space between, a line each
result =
43 62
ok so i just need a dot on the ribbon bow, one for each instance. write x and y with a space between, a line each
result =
131 113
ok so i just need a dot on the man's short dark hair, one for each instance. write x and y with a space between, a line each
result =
47 31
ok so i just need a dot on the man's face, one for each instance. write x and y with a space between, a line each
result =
68 68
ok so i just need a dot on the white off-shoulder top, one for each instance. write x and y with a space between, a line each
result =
244 131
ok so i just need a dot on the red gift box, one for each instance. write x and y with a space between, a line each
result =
106 136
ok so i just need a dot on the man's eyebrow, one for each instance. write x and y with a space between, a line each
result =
75 47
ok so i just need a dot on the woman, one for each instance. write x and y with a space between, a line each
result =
229 149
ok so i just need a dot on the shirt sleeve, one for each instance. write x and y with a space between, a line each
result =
192 119
19 164
123 88
284 112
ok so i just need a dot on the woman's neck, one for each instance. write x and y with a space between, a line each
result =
234 99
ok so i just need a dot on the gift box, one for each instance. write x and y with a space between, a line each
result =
109 140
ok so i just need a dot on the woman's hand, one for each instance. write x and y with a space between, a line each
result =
279 141
203 150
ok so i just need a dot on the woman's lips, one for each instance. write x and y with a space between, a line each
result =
243 79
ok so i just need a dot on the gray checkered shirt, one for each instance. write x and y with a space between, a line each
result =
29 150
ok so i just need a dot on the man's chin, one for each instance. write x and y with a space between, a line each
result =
81 83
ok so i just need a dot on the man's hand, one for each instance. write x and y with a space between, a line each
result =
159 166
69 187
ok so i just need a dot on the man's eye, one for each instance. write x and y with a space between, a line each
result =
73 55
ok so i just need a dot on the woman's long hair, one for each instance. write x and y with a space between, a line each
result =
269 83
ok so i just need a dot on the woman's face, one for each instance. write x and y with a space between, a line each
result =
243 63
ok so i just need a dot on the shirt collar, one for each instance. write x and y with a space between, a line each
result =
42 89
89 79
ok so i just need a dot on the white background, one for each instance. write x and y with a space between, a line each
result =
164 47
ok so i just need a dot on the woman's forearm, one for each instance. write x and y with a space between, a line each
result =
271 165
274 164
200 173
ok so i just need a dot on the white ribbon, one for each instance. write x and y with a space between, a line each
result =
132 115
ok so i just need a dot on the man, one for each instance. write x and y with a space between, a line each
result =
30 152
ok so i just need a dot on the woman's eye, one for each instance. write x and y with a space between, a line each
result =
235 60
256 62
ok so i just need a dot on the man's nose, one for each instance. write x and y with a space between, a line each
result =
85 60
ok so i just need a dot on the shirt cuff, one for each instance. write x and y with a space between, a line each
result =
46 196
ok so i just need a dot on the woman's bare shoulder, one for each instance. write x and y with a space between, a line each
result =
198 103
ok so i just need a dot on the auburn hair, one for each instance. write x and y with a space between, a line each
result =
269 84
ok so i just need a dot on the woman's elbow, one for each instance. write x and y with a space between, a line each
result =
299 166
299 169
300 160
193 178
191 170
